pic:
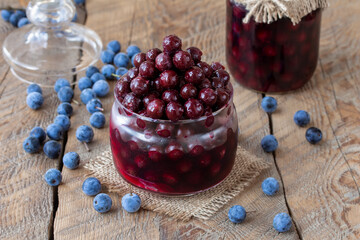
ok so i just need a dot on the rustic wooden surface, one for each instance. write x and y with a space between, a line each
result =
320 183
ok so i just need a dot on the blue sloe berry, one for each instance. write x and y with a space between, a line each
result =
97 120
71 160
52 149
34 100
38 133
31 145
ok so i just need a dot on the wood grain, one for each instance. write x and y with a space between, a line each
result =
145 23
27 202
25 199
322 181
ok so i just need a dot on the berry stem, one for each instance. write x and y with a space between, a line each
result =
86 147
76 102
99 108
115 75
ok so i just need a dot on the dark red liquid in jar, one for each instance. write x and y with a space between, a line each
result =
275 57
174 159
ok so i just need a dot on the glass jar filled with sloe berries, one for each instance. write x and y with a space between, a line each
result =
173 126
271 57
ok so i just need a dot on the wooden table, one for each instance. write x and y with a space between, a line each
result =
319 184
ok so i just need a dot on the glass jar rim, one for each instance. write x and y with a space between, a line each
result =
185 121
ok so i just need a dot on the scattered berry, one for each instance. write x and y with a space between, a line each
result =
84 83
53 177
61 82
114 46
302 118
131 202
87 94
96 77
31 145
237 214
52 149
38 133
282 222
54 131
270 186
65 109
97 120
33 88
94 105
65 94
63 121
5 14
91 186
71 160
34 100
101 88
22 22
121 71
15 18
313 135
107 56
84 134
91 71
269 104
102 203
132 50
108 71
121 60
269 143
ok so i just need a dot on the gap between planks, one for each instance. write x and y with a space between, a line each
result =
281 179
64 142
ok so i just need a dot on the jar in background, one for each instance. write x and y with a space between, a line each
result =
275 57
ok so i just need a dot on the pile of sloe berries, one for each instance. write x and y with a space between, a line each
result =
92 86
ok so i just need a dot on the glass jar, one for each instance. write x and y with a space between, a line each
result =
180 158
275 57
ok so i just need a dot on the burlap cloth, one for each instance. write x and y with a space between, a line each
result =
267 11
203 205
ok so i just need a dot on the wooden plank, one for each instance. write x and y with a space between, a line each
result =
204 27
27 202
322 181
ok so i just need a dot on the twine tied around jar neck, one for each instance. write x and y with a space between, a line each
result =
267 11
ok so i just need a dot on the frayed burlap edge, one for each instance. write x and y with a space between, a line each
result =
203 205
267 11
